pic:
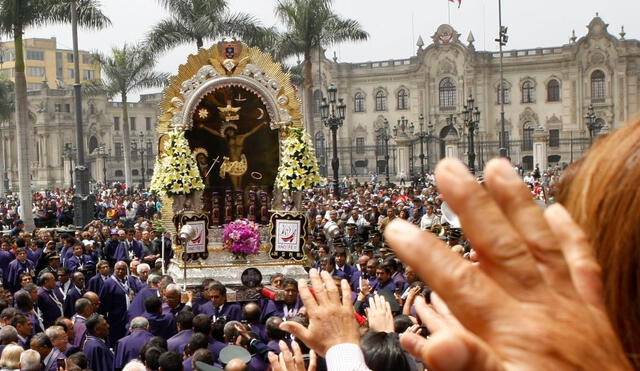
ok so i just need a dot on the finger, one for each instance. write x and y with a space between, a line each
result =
372 303
286 355
306 296
504 256
451 351
347 302
274 361
430 318
585 271
313 361
297 356
318 287
526 217
439 305
297 330
330 287
446 272
387 309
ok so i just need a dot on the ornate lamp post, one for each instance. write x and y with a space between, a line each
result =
471 116
68 152
104 154
384 135
421 135
333 113
592 123
140 149
502 40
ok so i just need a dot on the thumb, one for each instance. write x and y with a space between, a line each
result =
297 330
451 350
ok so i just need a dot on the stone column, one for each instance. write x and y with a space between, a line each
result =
451 146
402 159
101 163
540 148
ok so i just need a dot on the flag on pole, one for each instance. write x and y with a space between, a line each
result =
459 2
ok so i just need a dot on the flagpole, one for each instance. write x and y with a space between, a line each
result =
449 11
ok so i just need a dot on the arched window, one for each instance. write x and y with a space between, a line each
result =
447 94
506 92
317 101
358 102
403 99
381 101
553 91
93 144
527 136
597 86
119 173
528 92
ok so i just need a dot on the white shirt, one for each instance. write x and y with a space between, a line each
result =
427 221
345 357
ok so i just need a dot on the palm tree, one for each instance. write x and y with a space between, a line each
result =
311 25
126 70
194 21
15 17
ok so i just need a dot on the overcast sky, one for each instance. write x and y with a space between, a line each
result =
394 26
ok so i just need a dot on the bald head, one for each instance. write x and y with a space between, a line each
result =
94 299
236 365
362 261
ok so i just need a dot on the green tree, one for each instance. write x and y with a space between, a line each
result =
7 104
126 70
194 21
312 25
15 17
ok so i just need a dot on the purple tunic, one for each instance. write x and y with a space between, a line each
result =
232 311
179 341
113 299
128 347
99 356
80 330
137 305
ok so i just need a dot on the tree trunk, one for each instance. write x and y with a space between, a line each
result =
199 43
307 97
22 134
126 146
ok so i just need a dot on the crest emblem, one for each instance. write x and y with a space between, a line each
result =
229 50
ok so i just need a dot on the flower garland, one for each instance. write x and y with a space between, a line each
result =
241 237
178 172
298 170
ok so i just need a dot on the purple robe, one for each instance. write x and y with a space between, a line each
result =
187 364
260 330
400 281
163 325
126 249
15 269
82 263
95 283
5 258
73 294
137 304
128 347
388 286
99 356
215 347
52 364
34 255
113 302
232 311
136 283
79 329
50 306
179 341
277 309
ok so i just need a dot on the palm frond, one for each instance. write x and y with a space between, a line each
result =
167 34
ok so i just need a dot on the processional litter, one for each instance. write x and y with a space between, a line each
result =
232 164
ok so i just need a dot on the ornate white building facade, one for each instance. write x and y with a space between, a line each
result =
548 92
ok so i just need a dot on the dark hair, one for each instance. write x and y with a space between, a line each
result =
93 322
153 304
80 360
160 342
202 324
401 323
202 355
382 352
20 243
217 286
8 312
150 356
170 361
3 304
18 319
82 304
42 340
289 281
23 300
185 319
30 287
198 341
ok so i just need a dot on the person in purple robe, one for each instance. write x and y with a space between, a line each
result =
129 248
288 307
170 361
160 324
95 283
23 301
383 280
217 307
137 304
197 341
252 315
80 261
74 293
34 252
128 347
49 303
84 310
99 356
24 327
340 255
274 334
6 257
202 324
17 267
67 249
173 300
49 355
115 298
184 324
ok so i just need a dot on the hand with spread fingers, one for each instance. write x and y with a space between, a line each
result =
331 314
524 306
285 361
379 315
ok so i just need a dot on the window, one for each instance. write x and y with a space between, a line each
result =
380 146
67 107
553 91
528 92
8 72
597 86
7 55
59 69
35 71
527 137
317 101
403 99
135 172
506 92
116 123
359 145
118 149
72 73
119 173
554 138
447 94
381 101
34 86
132 123
88 74
35 55
147 123
86 59
358 102
70 57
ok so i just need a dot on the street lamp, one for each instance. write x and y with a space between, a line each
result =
502 40
592 123
140 149
104 154
421 135
333 113
68 152
471 116
383 134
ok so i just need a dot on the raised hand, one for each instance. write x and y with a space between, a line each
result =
379 314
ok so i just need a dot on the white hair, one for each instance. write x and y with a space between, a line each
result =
30 360
143 266
173 287
139 323
134 365
53 332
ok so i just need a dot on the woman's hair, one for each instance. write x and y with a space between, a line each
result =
602 194
382 352
11 357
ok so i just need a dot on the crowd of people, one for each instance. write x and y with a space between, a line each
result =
394 282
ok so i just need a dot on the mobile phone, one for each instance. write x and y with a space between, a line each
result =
61 364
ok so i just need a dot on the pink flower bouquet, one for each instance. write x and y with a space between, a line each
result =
242 237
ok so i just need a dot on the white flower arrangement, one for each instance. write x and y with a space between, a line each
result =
177 172
298 169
